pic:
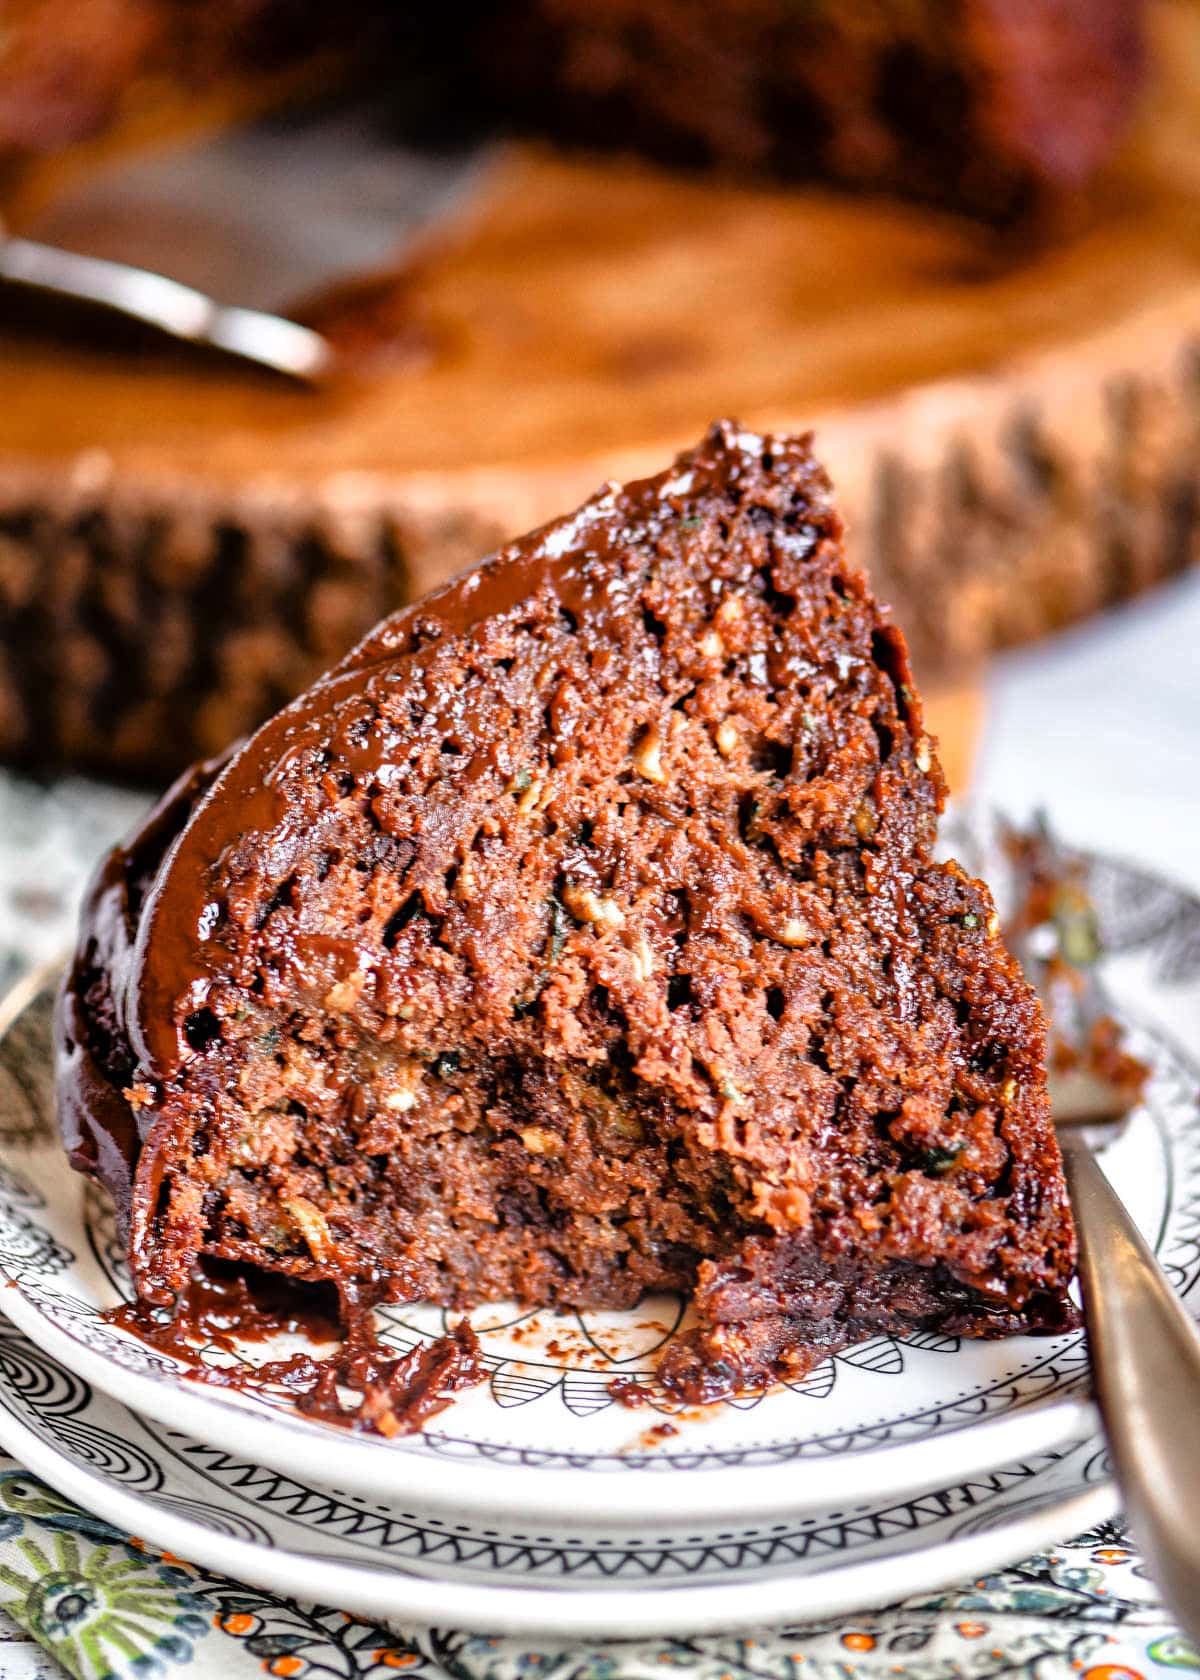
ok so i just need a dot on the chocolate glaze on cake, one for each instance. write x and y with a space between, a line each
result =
579 935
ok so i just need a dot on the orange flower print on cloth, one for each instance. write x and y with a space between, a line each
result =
107 1609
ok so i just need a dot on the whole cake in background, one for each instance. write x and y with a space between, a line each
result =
989 106
181 553
580 935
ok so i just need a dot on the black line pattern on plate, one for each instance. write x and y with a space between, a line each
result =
235 1524
56 1404
51 1401
27 1247
421 1541
247 1498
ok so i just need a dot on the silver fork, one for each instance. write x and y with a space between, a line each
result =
1143 1346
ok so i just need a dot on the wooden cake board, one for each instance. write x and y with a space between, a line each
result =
1014 434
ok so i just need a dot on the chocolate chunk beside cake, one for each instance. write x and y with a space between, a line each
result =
580 935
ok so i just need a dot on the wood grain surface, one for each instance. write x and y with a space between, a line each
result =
1014 433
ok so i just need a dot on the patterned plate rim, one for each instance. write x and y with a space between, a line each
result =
497 1480
427 1601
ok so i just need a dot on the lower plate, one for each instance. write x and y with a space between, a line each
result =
377 1559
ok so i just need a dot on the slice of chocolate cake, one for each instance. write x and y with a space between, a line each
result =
580 935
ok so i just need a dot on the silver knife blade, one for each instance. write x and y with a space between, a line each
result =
270 341
256 219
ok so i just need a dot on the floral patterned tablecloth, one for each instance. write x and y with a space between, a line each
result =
101 1604
75 1595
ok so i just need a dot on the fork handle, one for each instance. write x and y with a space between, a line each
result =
1145 1357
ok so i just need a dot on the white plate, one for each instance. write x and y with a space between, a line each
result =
544 1436
222 1512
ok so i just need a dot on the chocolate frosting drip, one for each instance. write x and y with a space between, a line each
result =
100 1130
579 561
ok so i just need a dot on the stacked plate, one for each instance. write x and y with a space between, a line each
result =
538 1503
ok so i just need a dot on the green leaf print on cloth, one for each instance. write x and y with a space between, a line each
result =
106 1608
94 1601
